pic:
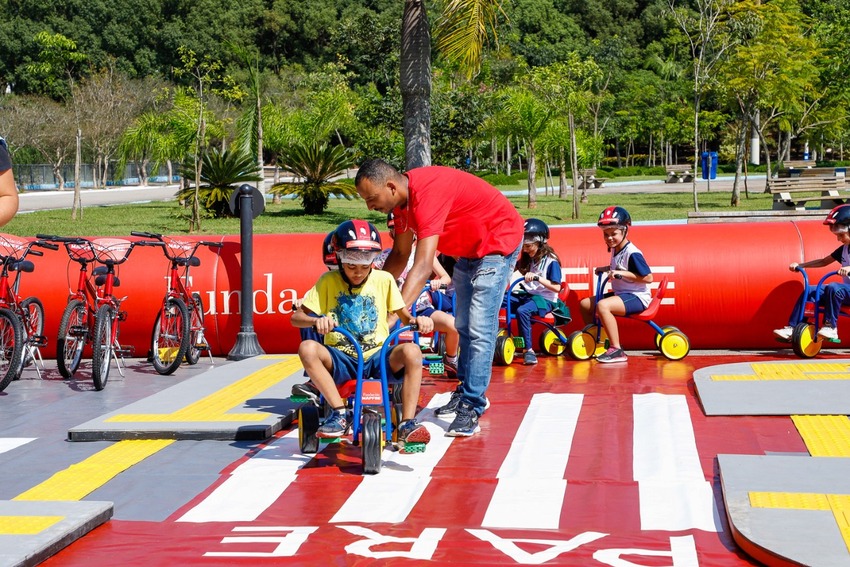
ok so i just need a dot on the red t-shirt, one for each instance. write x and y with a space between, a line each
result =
471 217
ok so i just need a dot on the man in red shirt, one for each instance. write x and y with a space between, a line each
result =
465 217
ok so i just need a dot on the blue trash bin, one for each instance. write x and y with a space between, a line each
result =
709 171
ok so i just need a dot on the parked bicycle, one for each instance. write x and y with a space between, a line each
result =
178 330
23 335
93 313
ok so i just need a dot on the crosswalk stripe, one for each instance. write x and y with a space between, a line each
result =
254 485
531 488
391 495
674 494
10 443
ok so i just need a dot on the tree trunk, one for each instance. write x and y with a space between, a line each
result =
562 176
532 174
574 164
78 204
416 84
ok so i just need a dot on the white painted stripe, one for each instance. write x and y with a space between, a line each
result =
674 494
531 488
578 286
10 443
254 485
392 494
575 271
663 269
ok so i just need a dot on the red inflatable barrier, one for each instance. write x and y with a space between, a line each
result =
729 283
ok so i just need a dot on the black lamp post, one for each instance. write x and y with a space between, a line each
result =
246 341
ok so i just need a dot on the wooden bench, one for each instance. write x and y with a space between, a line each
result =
789 193
798 163
588 180
679 173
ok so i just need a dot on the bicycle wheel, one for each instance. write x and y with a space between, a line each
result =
32 317
197 341
11 346
102 345
170 336
73 334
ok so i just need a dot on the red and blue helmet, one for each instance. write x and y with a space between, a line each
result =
356 242
614 216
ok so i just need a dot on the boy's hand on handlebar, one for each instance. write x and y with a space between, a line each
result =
424 324
324 324
844 271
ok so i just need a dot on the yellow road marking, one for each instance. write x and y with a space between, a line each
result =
800 371
824 435
217 406
82 478
27 525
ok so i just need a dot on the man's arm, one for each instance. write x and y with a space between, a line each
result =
8 196
397 259
423 264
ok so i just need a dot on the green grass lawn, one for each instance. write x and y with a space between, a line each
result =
288 217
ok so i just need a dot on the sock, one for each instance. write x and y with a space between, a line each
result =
452 359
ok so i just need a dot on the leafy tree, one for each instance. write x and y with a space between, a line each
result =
704 29
315 166
527 117
56 67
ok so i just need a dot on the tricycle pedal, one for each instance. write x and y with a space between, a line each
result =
300 399
409 448
519 342
436 368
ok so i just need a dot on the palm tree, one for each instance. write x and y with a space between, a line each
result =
529 118
314 166
461 31
221 173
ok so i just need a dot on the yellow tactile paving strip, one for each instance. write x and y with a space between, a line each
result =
824 435
217 405
801 371
838 504
27 525
82 478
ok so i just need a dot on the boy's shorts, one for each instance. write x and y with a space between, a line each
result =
631 301
345 367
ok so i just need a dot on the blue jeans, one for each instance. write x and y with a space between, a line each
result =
480 285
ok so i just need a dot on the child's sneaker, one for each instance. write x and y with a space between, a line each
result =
306 390
829 333
613 355
412 436
334 426
450 366
465 423
784 334
529 357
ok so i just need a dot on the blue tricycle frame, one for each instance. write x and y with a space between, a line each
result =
552 341
592 340
804 338
369 428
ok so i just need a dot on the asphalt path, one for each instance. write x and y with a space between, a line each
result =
46 200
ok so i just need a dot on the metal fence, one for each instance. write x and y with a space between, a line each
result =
35 177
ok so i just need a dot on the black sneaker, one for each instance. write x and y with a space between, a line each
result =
306 390
450 408
465 423
613 355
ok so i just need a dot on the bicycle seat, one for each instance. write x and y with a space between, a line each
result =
22 266
100 279
192 261
651 309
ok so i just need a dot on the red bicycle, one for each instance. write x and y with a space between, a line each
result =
22 334
93 313
178 331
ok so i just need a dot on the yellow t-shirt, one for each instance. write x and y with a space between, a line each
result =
363 312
